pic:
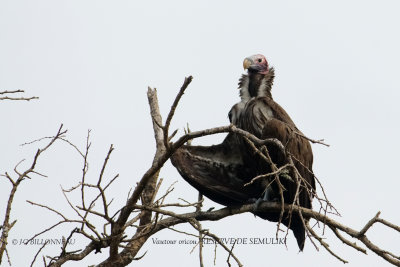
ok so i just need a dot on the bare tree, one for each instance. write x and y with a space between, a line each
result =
147 211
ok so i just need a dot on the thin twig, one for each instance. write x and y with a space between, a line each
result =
37 253
15 98
325 245
171 113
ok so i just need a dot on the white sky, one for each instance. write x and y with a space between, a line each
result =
90 62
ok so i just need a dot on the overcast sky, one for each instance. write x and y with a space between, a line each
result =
90 62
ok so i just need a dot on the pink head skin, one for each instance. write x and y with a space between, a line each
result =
256 64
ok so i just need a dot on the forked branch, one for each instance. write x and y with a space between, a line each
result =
15 182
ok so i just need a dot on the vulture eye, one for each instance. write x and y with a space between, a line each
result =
259 60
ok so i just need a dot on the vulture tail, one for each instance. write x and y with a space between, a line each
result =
298 231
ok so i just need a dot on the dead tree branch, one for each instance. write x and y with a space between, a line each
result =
6 226
5 95
133 224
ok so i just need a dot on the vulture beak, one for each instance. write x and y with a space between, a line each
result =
247 63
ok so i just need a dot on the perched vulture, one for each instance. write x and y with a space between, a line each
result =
220 172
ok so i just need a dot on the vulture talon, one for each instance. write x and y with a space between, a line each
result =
266 197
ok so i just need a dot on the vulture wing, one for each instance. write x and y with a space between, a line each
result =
266 119
216 171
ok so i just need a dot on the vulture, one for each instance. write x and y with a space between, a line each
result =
221 172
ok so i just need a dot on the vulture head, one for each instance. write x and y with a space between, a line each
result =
256 64
258 80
